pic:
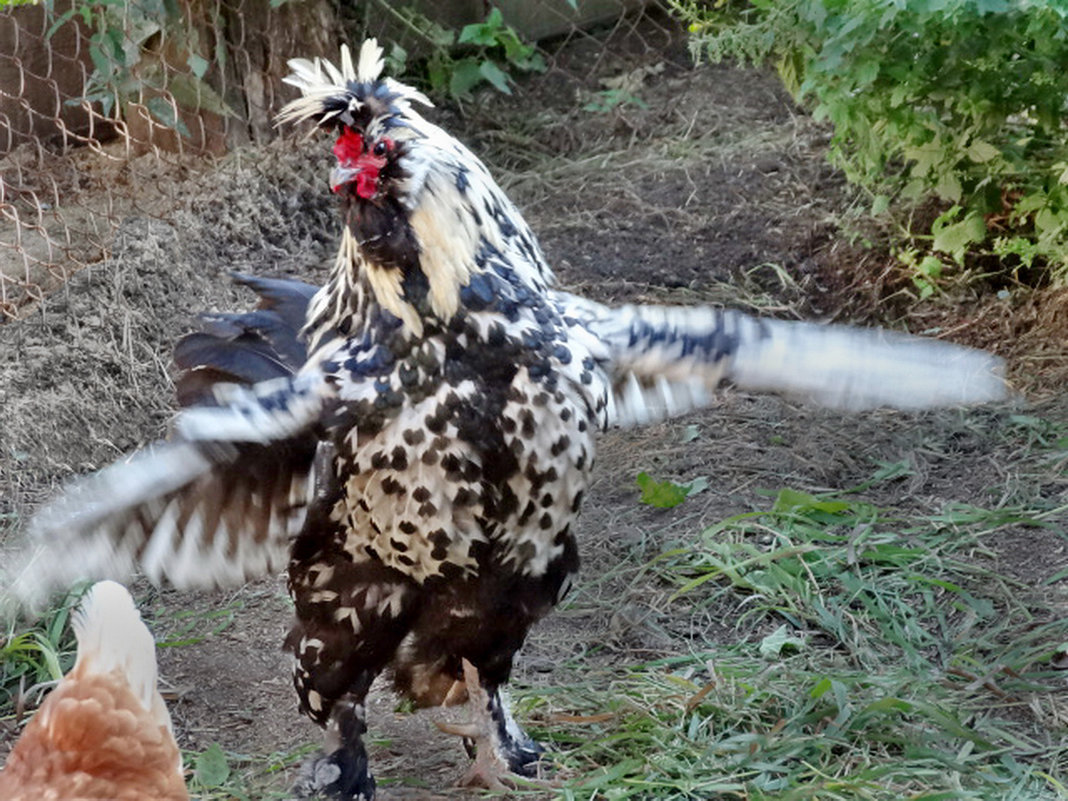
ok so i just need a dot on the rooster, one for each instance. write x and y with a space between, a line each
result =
414 439
104 732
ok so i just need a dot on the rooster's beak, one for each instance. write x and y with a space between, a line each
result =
339 176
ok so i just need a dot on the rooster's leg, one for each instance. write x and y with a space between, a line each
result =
341 772
502 749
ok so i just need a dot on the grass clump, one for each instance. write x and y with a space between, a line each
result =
34 657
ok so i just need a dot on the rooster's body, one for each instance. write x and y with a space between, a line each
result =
104 733
418 455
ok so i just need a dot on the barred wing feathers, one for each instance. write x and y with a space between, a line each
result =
216 505
668 360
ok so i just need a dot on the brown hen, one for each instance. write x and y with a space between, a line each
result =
104 732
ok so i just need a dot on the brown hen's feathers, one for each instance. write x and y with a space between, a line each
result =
104 732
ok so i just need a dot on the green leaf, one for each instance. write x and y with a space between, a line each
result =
789 500
981 152
165 113
661 494
532 63
865 73
397 59
926 157
465 77
891 470
437 72
772 646
699 484
60 20
439 36
949 188
101 62
466 74
47 650
198 64
483 33
820 688
954 239
211 767
520 54
1048 221
496 76
931 267
194 94
477 33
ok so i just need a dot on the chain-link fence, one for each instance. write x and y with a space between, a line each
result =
105 107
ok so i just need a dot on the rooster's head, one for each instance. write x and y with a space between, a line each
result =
422 214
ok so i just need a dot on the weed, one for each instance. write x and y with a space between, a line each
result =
191 628
218 775
129 64
610 99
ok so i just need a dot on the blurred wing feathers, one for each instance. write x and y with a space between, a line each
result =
244 359
668 360
215 506
862 368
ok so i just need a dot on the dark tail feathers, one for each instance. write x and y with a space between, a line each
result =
248 347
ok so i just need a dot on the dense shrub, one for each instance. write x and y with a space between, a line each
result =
965 101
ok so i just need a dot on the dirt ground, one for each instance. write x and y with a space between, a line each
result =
715 190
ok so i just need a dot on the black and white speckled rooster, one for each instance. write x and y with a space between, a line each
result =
418 455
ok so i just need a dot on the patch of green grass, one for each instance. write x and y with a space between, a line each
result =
33 657
192 627
877 655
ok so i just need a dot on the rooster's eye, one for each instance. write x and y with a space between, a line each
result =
381 148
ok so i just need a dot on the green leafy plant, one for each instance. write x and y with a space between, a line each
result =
480 53
131 63
661 494
610 99
215 774
37 655
960 101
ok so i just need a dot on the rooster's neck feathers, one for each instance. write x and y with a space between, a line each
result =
441 238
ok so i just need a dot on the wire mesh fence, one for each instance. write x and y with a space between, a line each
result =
107 109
